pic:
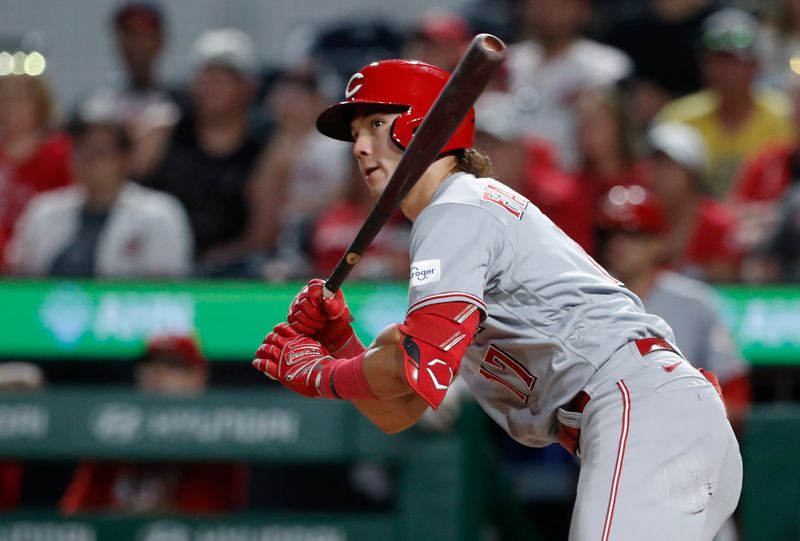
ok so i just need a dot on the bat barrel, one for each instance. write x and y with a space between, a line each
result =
491 46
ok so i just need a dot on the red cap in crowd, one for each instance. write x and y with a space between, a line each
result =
632 209
178 348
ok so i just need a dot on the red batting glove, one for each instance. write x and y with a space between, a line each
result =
325 319
293 359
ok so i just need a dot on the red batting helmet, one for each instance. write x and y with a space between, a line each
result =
406 86
632 209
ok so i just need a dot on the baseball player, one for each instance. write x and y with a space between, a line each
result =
552 347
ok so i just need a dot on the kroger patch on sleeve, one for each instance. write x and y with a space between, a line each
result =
425 272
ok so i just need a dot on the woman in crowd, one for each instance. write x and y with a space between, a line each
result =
105 225
605 141
33 157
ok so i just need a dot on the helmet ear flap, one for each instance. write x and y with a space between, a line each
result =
397 133
404 127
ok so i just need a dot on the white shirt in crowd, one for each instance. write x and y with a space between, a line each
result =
546 90
147 234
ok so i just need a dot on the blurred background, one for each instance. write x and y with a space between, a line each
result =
164 194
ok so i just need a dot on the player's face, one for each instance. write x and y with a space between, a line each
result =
376 154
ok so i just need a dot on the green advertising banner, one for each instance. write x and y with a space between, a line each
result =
110 423
90 319
765 322
439 483
52 527
112 320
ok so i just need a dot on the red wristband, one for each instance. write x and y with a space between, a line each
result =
351 348
345 379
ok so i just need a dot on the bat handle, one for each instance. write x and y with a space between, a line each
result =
326 292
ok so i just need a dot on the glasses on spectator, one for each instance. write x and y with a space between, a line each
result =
739 38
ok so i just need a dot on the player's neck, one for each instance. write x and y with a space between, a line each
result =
421 194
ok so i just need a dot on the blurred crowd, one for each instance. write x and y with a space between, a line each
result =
224 175
662 137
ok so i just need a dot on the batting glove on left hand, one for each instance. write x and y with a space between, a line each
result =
295 360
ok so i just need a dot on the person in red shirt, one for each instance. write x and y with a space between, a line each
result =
765 177
171 365
605 142
387 256
33 158
701 240
528 165
762 182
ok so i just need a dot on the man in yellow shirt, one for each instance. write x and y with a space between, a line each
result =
735 118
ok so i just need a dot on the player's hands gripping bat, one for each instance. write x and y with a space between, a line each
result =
325 319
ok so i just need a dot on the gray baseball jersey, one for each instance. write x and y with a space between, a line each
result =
687 305
552 315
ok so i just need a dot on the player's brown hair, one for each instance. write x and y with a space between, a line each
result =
474 162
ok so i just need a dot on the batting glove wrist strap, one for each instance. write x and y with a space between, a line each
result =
345 379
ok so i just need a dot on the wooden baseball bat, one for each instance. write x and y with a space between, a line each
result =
474 70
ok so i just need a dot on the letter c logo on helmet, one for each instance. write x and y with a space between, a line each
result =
407 87
351 90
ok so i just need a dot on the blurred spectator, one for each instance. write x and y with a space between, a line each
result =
527 165
497 17
33 158
440 39
778 257
141 100
16 377
207 159
105 225
345 46
780 46
300 174
634 225
734 118
173 366
700 240
662 42
387 256
762 181
606 144
554 65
